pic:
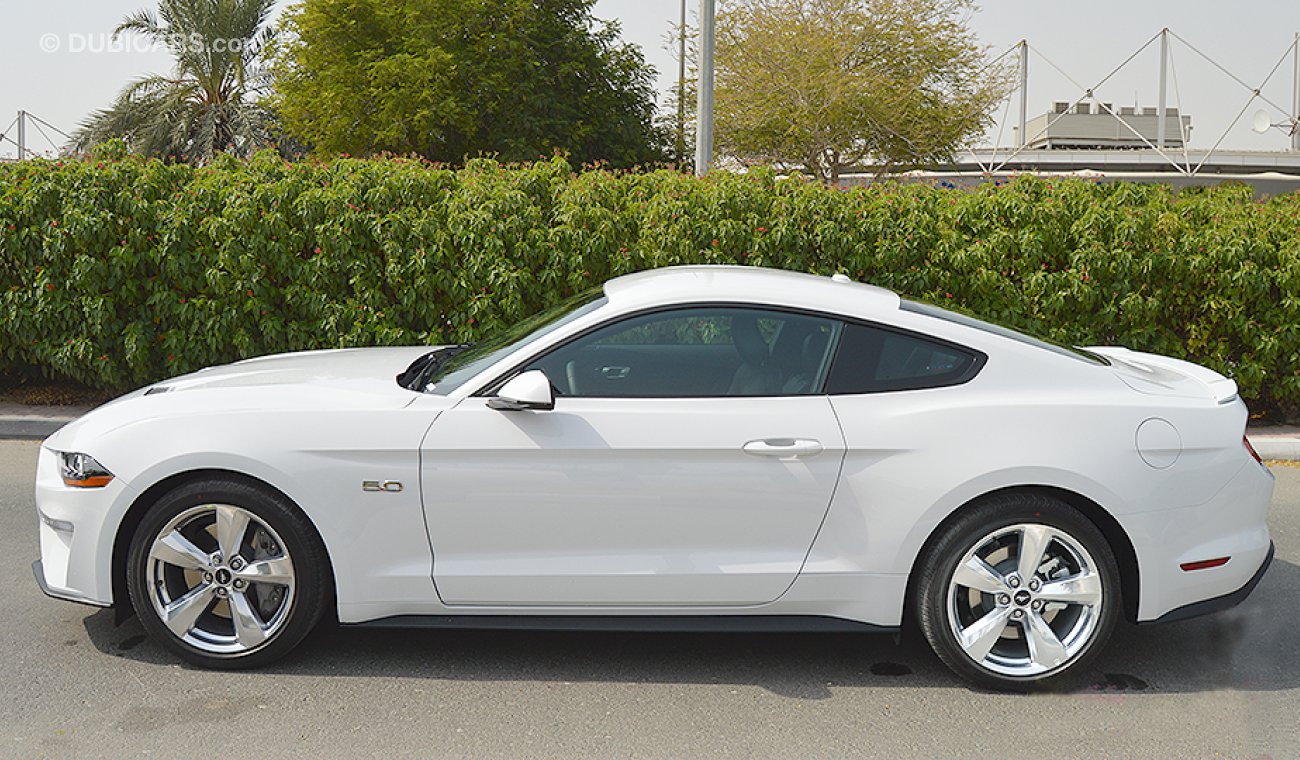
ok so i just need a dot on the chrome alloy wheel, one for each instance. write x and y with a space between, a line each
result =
1025 600
220 579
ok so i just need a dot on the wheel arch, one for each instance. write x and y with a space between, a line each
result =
134 514
1120 543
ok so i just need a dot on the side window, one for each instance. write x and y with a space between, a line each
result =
873 360
696 352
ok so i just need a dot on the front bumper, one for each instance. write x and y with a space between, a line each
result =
39 571
77 531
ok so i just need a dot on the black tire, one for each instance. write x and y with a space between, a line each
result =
277 530
1000 523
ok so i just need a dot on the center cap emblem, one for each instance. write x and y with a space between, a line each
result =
1022 597
223 577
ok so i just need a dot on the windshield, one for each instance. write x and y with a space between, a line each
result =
459 368
1006 332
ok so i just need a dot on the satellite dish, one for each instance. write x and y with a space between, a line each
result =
1262 122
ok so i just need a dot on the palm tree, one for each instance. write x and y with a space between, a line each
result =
210 102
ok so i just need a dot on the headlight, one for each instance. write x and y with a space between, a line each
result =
82 471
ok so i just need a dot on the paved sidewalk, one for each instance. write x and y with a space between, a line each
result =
1276 442
20 421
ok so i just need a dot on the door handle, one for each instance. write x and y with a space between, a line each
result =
784 448
615 373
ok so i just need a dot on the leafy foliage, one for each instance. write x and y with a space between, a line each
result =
119 273
826 84
446 79
208 105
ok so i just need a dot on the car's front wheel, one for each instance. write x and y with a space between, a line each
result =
227 574
1018 591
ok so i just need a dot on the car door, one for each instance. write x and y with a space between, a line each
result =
689 459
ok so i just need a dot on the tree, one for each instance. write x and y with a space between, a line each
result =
822 85
448 79
209 103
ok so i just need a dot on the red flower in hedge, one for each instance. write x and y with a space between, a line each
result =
250 292
49 286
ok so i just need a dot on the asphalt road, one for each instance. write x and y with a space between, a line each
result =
76 686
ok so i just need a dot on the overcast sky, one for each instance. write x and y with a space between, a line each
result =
1086 40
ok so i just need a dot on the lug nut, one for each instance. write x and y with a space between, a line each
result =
221 592
1017 614
237 563
1013 582
1037 605
1004 599
1034 584
207 577
239 584
216 559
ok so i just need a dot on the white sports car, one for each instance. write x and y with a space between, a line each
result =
693 448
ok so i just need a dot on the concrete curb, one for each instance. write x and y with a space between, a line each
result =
37 423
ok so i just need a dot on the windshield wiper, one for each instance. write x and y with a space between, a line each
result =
417 375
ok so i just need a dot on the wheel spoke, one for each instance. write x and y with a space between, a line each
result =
232 523
248 628
979 637
278 570
977 574
1045 649
175 549
1084 588
1033 543
181 615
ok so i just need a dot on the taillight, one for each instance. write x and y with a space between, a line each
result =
1251 449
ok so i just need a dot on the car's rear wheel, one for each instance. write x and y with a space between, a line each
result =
1018 592
227 574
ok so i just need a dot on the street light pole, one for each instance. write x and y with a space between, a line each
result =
704 101
1024 92
681 87
1164 67
1295 96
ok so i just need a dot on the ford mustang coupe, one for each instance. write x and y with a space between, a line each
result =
692 448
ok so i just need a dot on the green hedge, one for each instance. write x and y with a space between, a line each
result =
115 274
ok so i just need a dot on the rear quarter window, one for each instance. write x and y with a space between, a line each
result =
876 360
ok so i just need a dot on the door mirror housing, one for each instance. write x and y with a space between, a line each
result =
530 390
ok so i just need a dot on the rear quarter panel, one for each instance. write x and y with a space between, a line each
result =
915 457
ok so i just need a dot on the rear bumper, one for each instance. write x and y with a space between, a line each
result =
1219 603
1230 523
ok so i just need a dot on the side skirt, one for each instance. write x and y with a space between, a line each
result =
640 623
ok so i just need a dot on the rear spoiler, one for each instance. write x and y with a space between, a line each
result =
1168 375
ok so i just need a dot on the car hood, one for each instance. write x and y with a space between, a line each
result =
370 370
334 380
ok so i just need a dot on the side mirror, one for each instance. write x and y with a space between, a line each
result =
529 390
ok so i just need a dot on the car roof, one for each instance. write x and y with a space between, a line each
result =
760 285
